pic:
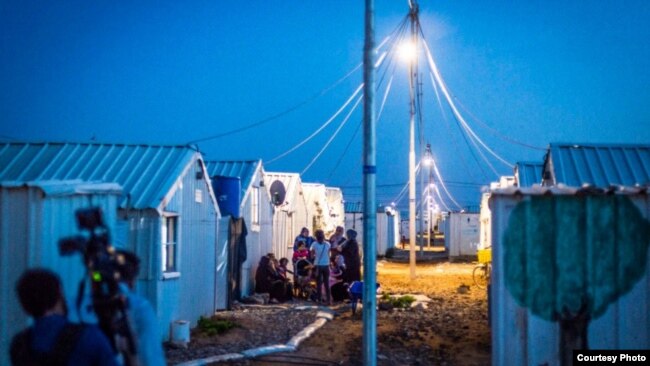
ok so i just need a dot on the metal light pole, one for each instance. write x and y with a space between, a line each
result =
369 194
423 162
412 81
428 160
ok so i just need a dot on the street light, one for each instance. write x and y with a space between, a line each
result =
407 51
427 160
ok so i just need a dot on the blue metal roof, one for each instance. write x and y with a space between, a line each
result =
353 207
528 173
244 170
599 165
146 172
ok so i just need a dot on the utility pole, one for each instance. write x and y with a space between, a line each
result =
412 84
429 157
369 194
424 162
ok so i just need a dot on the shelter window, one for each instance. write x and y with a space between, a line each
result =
255 208
170 244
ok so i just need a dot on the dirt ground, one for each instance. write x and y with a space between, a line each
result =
451 330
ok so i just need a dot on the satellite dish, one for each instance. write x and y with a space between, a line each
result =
278 193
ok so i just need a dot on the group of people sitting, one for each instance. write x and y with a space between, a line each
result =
332 265
271 277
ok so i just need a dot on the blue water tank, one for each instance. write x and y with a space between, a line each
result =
228 192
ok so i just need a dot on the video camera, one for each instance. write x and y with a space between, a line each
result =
103 264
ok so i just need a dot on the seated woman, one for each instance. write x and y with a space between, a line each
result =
263 275
288 286
268 280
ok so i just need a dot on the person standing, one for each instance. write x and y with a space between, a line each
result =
52 339
320 252
336 240
304 238
140 313
350 252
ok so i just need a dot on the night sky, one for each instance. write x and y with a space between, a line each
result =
179 71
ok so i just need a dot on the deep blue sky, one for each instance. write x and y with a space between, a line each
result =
172 72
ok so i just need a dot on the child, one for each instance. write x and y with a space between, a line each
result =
283 287
337 286
301 253
282 268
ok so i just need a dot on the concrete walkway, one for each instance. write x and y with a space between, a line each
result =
324 315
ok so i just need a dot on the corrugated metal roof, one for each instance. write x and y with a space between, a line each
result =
561 189
528 173
600 165
146 172
244 170
353 207
68 187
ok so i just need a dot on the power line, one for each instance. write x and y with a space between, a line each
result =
378 64
390 55
459 117
389 185
347 102
442 201
280 114
356 131
497 133
454 142
442 182
345 120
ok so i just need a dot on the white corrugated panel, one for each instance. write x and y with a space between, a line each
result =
259 240
221 285
462 234
31 223
521 338
485 216
382 233
396 222
318 210
335 202
289 217
196 242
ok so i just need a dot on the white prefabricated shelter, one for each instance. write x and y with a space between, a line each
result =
522 337
167 215
607 172
336 205
462 234
34 216
289 210
388 225
404 225
524 173
354 217
318 210
254 207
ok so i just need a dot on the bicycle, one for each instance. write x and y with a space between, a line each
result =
481 273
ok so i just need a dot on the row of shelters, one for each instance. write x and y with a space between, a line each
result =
387 227
570 241
198 227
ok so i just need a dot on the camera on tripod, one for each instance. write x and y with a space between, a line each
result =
103 264
91 220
